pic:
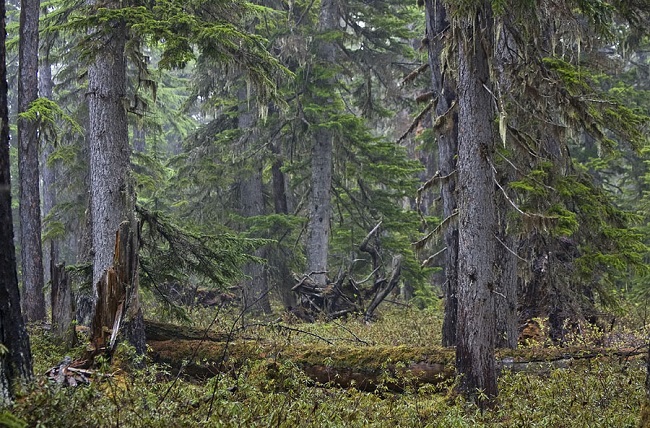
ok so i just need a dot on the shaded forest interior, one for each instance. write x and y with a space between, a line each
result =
288 213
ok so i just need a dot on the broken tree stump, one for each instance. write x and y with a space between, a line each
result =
63 311
118 306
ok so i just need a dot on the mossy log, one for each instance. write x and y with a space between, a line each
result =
364 367
157 331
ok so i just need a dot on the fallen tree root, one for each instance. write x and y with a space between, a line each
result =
363 367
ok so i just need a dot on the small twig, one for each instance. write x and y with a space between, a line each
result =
510 249
430 258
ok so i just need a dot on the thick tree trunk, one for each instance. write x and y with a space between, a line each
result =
112 195
28 170
16 363
320 206
507 260
477 216
111 191
446 131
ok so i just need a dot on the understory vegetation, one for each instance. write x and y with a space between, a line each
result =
596 392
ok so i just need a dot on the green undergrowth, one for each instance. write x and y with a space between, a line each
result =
601 393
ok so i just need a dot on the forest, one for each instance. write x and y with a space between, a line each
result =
324 213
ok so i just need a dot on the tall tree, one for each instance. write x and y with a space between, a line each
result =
320 204
15 355
476 205
446 133
251 200
28 161
111 190
49 169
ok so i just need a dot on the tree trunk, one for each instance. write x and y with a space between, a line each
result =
112 194
118 307
320 206
63 313
255 291
49 172
477 217
278 261
111 191
16 362
28 158
446 131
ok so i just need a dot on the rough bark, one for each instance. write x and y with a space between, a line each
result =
446 131
16 362
63 313
320 207
28 169
111 191
477 217
506 267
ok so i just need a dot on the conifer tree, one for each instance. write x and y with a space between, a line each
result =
28 164
15 354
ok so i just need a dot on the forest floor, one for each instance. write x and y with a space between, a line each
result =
274 391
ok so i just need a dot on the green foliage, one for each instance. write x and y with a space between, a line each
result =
276 392
8 420
170 252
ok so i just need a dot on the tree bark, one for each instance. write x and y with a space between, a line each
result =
16 362
28 170
112 194
278 261
63 313
111 191
477 216
251 197
446 131
320 206
49 172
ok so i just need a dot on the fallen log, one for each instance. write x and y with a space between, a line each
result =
363 367
157 331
